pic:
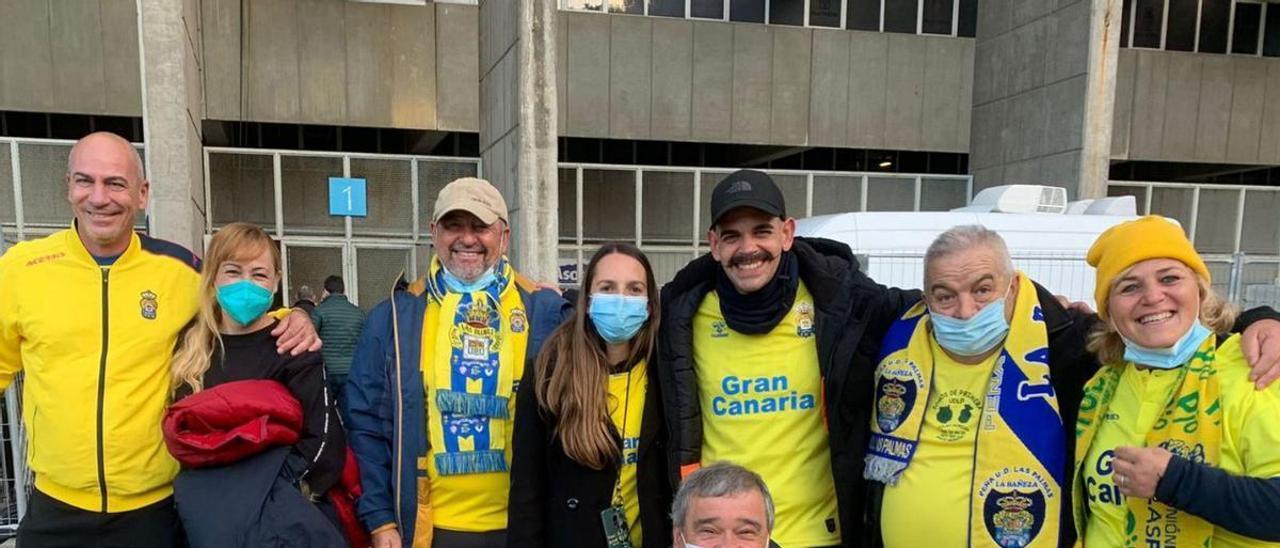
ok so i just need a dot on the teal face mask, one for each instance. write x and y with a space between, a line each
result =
617 317
458 285
974 336
244 301
1172 357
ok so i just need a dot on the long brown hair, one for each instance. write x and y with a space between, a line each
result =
572 376
234 242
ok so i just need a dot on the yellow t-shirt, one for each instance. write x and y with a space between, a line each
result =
941 472
1249 439
469 503
626 407
761 398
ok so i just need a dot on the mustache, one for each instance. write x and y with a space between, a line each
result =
743 258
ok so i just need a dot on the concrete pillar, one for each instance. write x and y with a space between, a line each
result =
518 126
172 107
1044 92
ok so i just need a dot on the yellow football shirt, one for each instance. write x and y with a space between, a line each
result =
940 475
626 407
1249 439
761 398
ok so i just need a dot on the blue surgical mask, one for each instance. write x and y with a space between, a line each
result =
974 336
244 301
1172 357
686 542
618 317
458 285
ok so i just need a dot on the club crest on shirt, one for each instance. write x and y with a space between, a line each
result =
955 412
148 305
719 329
518 320
1014 506
897 386
804 319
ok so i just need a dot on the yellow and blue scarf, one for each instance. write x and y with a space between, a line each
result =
1020 451
470 367
1190 427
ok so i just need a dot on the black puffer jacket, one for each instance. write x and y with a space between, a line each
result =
852 315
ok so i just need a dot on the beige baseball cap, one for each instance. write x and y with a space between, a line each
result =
475 196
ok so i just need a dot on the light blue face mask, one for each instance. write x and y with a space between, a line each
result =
617 317
974 336
458 285
244 301
1172 357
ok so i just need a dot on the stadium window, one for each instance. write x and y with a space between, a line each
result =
706 9
1148 18
824 13
901 16
1271 32
1181 32
666 8
786 12
863 15
937 17
1245 27
583 5
1126 20
968 24
632 7
746 11
1215 20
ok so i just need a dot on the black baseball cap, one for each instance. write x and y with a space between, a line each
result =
747 188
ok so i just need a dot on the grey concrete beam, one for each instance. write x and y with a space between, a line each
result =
172 102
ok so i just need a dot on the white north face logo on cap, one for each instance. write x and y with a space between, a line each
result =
738 186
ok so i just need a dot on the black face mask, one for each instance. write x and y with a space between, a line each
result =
759 312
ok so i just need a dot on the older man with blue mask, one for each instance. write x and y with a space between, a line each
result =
973 389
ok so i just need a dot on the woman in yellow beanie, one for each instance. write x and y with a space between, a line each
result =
1174 446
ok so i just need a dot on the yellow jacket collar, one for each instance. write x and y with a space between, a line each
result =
77 249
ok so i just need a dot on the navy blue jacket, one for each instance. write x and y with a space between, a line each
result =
250 503
384 412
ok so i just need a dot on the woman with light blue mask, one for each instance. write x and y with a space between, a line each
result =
1175 445
228 341
588 469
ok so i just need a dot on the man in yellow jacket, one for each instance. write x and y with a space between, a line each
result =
91 314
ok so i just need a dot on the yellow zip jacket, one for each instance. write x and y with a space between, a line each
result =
95 344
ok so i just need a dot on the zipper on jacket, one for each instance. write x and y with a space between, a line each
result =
102 387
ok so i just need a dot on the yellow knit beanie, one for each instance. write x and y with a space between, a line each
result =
1131 242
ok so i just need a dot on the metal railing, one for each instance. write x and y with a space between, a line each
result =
661 209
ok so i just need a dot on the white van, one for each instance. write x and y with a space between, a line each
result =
1049 246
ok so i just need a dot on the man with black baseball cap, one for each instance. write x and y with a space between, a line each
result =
766 352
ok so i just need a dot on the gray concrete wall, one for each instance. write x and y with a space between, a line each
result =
70 56
1187 107
342 63
173 102
1038 88
670 79
518 125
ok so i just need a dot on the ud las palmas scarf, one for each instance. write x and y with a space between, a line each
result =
1190 427
469 368
1019 452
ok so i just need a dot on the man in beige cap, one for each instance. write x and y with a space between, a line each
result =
435 470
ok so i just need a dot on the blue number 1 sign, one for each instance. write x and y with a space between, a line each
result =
347 197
